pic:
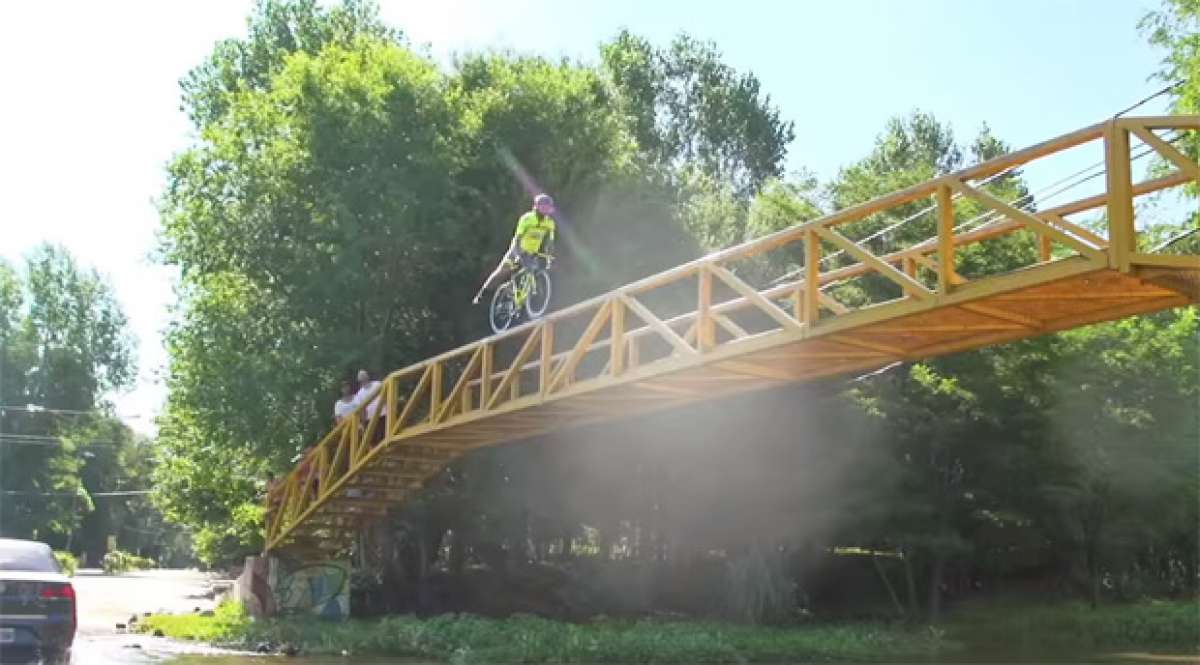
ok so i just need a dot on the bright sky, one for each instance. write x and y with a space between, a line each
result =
90 113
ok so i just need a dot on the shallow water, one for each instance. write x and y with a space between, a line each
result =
276 660
124 655
141 650
1108 659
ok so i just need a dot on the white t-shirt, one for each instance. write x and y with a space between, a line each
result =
342 408
362 394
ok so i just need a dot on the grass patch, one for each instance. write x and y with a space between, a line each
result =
67 561
1010 630
227 625
1076 626
117 562
528 639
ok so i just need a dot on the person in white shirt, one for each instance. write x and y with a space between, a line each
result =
345 404
365 387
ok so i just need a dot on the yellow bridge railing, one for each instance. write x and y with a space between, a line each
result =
619 353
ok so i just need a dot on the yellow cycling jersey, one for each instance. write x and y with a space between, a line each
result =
533 230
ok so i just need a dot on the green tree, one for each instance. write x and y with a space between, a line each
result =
688 108
956 426
1175 28
1127 416
64 346
306 229
530 125
337 216
277 28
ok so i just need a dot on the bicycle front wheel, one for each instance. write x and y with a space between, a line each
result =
504 308
538 298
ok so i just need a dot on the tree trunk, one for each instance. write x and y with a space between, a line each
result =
937 572
605 540
911 583
518 551
458 554
887 583
1093 568
422 556
1191 569
1092 526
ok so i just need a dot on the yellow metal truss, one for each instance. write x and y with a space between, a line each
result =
613 356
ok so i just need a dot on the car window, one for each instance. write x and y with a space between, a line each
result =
29 557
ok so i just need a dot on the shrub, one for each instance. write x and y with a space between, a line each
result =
68 562
117 562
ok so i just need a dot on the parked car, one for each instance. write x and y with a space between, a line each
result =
37 604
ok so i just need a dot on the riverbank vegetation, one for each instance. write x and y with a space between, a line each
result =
1003 631
530 639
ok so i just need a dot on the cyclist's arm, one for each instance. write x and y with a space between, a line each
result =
522 227
548 245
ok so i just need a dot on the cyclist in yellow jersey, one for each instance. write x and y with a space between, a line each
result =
534 237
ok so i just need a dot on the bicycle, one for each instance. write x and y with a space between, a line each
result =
527 290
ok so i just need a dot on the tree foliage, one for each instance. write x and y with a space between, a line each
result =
687 107
1175 28
344 199
64 349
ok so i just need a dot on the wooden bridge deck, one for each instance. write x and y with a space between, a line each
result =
616 355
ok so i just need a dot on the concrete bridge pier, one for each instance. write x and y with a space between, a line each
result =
272 585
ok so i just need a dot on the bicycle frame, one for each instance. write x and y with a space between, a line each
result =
522 280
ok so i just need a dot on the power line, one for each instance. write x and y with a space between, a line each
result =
37 408
41 440
1000 174
1157 94
985 216
92 494
878 372
990 216
1174 239
915 216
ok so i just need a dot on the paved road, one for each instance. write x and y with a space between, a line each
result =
105 601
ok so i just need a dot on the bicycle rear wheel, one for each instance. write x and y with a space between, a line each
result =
504 310
538 298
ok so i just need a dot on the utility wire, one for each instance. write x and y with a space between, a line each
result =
1000 174
992 215
1160 93
37 408
894 226
1020 202
1174 239
988 217
92 494
40 440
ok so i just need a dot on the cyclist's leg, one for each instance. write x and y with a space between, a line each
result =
502 270
530 262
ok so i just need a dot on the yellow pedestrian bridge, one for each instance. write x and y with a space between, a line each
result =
773 311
